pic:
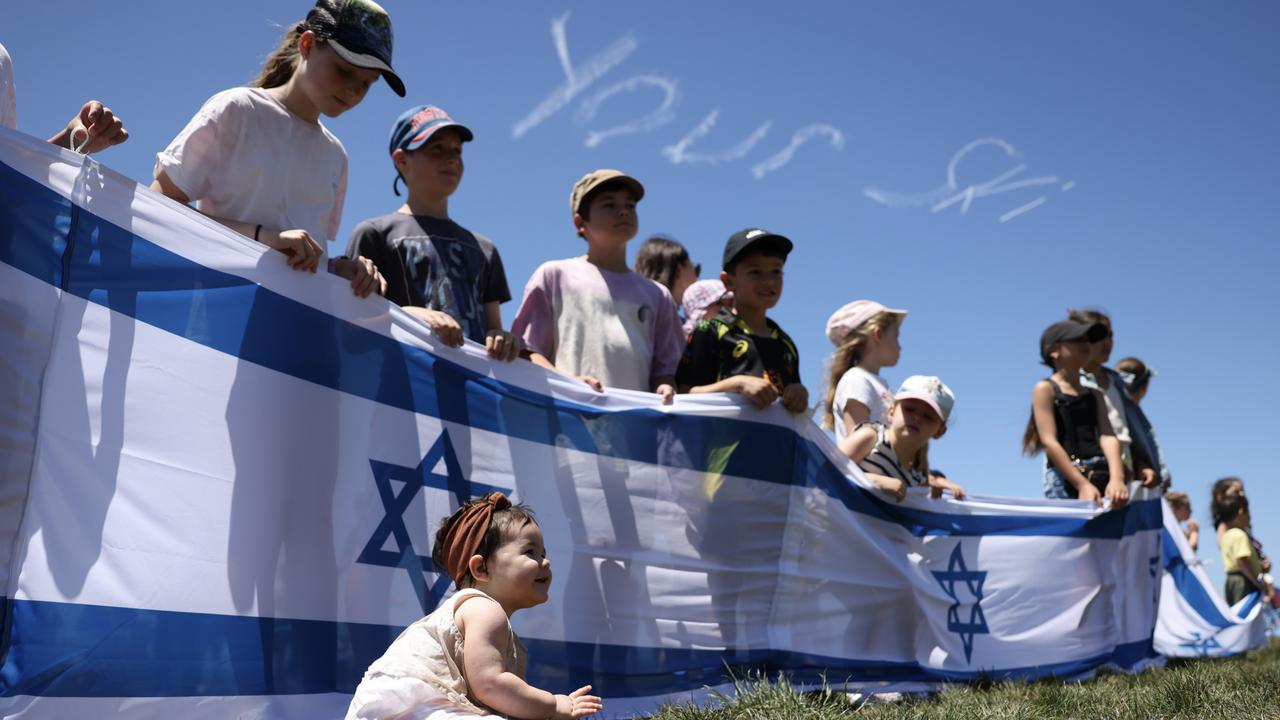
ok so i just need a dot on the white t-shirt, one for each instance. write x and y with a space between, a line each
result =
245 157
1115 413
8 96
865 387
618 327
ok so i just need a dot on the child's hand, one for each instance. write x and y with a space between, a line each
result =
666 392
303 251
940 485
577 704
893 486
795 397
1090 493
502 345
1193 526
1149 477
757 390
362 273
443 325
593 382
98 125
1118 494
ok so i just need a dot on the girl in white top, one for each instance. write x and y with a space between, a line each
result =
464 660
865 334
897 456
258 160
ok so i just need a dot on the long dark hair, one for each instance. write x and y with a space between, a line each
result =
660 258
1218 505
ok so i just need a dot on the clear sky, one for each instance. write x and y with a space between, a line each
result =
1139 139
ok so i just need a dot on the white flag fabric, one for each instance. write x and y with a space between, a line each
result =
222 478
1194 620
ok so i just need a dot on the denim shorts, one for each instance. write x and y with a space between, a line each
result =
1056 486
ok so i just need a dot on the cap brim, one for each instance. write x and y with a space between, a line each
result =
370 62
926 399
463 131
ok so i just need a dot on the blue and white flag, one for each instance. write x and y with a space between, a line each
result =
1194 620
221 478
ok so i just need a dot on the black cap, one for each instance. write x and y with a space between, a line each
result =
754 238
360 32
1066 331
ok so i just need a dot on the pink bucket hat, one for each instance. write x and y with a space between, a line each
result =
698 297
848 318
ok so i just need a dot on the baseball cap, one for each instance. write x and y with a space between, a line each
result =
849 317
930 390
416 126
593 180
753 237
1067 331
360 32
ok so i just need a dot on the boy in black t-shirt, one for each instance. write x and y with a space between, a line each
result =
747 352
436 269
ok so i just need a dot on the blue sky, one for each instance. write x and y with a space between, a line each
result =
1144 132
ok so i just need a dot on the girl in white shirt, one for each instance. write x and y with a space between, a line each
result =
258 160
865 334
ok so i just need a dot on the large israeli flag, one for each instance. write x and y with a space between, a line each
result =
1194 620
220 478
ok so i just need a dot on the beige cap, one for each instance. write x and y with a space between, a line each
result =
593 180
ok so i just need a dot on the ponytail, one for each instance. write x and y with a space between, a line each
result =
283 61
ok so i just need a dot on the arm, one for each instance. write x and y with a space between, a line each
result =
756 389
1046 427
940 484
1193 535
1117 489
855 413
859 443
544 362
303 251
485 643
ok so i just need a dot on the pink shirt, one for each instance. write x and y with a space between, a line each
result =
619 327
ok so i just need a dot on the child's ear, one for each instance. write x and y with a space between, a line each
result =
727 280
941 431
398 159
306 42
478 567
578 222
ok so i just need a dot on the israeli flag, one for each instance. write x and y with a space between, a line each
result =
1194 620
222 477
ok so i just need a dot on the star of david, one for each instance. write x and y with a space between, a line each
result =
1201 646
958 572
395 504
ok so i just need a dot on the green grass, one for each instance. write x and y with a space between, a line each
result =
1241 688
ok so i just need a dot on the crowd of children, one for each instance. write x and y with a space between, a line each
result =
258 160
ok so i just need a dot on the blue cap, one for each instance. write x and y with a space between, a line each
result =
416 126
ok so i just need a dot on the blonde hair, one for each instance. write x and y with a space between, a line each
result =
849 355
282 63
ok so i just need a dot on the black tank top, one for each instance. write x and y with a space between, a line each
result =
1077 419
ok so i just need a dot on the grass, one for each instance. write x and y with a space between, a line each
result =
1241 688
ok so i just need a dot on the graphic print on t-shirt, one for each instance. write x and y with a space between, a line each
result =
445 271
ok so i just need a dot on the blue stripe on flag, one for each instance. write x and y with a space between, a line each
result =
70 650
112 267
1190 587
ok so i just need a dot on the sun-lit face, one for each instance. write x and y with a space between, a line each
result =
518 572
914 417
890 348
330 83
756 282
611 217
435 169
686 275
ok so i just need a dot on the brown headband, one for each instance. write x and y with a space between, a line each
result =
467 532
